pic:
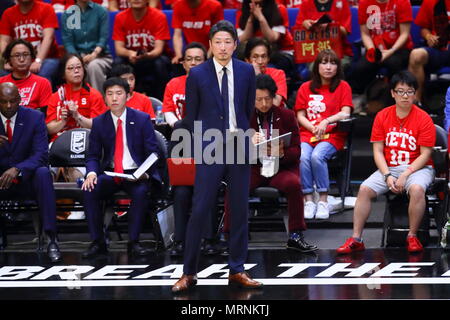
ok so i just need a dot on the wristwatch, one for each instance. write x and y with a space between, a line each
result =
386 176
38 60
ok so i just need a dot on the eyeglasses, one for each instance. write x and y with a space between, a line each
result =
73 68
24 55
401 92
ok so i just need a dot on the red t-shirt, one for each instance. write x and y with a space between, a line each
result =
142 103
30 26
286 42
403 137
425 17
124 4
339 13
279 77
141 34
232 4
322 105
290 3
383 21
174 97
90 104
35 91
196 22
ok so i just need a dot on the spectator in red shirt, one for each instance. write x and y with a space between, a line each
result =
267 19
385 32
137 100
35 91
321 103
35 22
403 137
120 5
290 3
193 20
140 35
258 52
434 20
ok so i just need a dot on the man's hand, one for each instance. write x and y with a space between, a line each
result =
7 66
132 56
391 183
401 182
432 40
3 140
176 59
7 178
89 183
258 137
35 67
89 57
385 54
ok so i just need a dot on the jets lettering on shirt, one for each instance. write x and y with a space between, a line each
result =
400 139
139 38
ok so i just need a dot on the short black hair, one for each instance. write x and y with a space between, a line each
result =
256 42
223 25
7 53
120 69
265 82
405 77
116 81
196 45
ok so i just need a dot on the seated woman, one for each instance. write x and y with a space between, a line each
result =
267 19
34 90
320 104
285 174
73 106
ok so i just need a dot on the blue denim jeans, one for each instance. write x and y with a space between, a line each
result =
314 167
49 69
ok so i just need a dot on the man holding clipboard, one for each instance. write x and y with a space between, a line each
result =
121 141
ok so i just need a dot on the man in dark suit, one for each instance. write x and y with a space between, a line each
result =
120 140
220 94
24 160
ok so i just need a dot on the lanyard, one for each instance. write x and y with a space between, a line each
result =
261 129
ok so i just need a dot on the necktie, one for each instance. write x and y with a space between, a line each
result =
225 92
118 152
9 130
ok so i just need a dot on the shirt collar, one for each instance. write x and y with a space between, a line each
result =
123 117
219 67
13 119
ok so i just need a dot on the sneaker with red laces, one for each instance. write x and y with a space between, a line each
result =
351 245
413 244
120 214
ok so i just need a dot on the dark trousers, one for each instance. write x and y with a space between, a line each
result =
105 188
364 71
182 203
40 188
207 182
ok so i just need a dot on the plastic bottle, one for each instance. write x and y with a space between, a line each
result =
159 115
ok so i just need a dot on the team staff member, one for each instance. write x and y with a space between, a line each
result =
24 160
133 142
221 94
35 91
403 137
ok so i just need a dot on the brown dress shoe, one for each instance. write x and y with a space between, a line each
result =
185 283
243 280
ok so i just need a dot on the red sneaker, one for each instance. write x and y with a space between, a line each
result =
413 244
351 245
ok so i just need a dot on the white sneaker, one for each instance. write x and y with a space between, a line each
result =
322 210
76 215
310 210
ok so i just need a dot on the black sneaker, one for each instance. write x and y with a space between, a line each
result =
297 242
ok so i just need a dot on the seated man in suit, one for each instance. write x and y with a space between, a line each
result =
24 160
135 140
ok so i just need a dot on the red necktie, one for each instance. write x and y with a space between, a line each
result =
118 153
9 130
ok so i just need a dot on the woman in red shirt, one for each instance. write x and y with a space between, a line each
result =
320 104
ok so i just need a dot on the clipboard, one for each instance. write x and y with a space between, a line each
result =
139 171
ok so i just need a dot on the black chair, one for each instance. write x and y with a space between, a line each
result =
396 221
155 103
159 197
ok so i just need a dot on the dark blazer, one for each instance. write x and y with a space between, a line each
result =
29 149
285 121
205 104
141 141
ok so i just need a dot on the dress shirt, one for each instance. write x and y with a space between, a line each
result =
219 73
13 122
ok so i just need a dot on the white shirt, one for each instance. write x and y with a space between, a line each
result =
13 122
128 162
219 73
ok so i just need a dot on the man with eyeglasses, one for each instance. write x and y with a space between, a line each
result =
35 91
403 136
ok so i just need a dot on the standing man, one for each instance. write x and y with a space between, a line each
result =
120 141
403 137
24 160
220 93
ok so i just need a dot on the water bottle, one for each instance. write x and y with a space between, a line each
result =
80 182
445 235
159 115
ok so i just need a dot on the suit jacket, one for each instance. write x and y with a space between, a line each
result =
285 121
141 141
29 148
203 97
